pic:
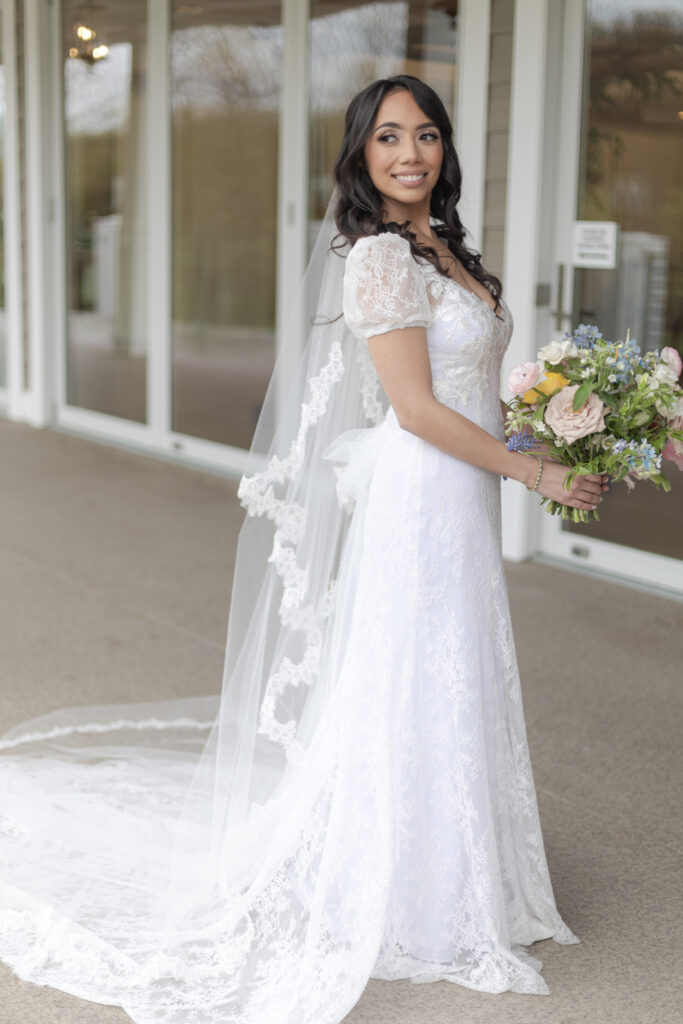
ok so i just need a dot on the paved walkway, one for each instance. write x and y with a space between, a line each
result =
116 579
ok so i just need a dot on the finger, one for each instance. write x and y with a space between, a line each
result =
587 494
577 503
591 499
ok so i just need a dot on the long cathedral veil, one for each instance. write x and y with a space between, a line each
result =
144 847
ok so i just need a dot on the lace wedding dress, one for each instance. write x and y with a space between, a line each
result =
406 843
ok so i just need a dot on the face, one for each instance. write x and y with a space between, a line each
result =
403 154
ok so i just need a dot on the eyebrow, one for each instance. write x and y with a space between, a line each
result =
394 124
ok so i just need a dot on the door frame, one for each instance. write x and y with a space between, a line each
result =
563 126
156 436
12 395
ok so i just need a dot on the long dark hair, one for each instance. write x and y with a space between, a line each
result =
359 209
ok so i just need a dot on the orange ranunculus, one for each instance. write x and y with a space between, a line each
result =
551 383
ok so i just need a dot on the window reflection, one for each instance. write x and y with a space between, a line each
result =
226 67
632 173
352 44
104 95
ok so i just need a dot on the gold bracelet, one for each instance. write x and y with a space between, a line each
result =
540 470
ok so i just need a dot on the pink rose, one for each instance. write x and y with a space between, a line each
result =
570 425
673 449
523 377
672 359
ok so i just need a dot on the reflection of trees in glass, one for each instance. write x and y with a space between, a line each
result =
633 158
215 66
636 65
225 96
97 96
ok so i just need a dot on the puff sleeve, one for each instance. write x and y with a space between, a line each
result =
383 287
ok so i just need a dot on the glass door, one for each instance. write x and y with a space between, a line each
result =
226 64
189 140
629 173
104 61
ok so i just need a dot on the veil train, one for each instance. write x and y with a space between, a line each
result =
186 859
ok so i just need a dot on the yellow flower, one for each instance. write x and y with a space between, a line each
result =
552 383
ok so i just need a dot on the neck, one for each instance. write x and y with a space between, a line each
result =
416 213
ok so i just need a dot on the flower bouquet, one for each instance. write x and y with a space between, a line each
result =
599 406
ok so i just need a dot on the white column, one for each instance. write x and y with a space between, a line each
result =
157 161
523 222
12 204
38 402
472 90
292 228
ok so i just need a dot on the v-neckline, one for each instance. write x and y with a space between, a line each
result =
467 291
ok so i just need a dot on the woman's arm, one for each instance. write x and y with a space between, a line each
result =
402 362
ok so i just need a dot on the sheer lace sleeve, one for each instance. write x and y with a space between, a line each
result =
383 287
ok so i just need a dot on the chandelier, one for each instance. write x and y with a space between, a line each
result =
85 47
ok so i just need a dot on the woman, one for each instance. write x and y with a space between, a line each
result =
363 805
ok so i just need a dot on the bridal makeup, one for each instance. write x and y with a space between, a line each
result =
403 154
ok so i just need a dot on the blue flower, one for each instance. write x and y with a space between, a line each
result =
640 456
585 336
521 442
624 359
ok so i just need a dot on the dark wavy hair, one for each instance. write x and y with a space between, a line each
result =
359 209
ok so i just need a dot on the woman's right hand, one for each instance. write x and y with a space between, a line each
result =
585 491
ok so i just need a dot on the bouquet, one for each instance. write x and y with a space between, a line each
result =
599 406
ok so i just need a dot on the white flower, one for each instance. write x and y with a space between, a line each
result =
556 351
665 375
673 411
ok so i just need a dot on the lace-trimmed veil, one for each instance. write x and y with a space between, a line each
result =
229 762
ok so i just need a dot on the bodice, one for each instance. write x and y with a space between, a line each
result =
466 341
385 288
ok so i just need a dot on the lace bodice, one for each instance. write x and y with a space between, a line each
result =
385 288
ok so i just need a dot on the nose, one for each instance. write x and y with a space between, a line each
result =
409 153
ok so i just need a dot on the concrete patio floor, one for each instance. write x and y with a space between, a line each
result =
116 573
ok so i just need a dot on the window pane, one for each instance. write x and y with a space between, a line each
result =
352 44
104 93
226 69
632 173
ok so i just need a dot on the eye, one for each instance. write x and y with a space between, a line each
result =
386 137
430 135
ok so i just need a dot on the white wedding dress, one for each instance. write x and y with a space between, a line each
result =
408 839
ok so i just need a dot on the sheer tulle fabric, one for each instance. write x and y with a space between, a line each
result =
358 802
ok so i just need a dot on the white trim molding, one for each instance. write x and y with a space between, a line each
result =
522 230
292 224
472 89
38 407
12 220
159 362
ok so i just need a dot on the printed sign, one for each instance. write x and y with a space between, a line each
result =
595 244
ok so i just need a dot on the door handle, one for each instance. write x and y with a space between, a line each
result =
558 313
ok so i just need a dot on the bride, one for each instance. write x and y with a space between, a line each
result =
358 803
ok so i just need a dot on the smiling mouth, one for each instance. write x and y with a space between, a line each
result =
410 178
